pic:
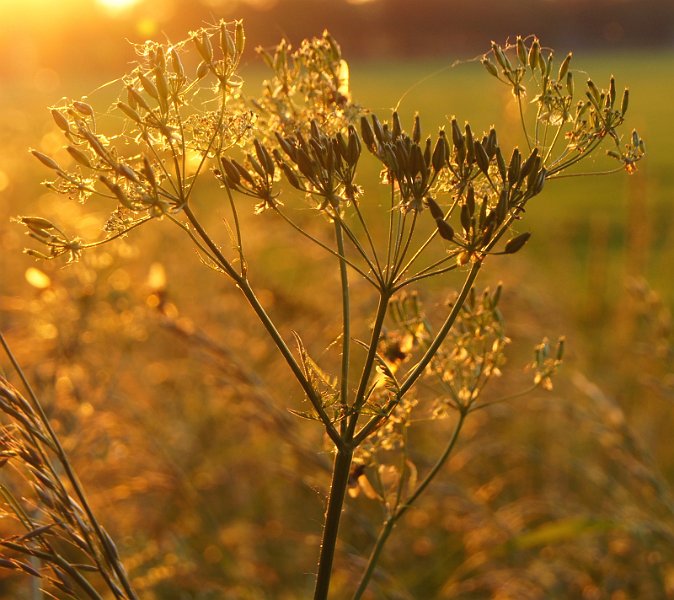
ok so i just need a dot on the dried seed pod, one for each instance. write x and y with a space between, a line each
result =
521 51
427 152
148 86
569 83
84 108
60 120
502 206
397 127
564 67
436 211
202 69
232 173
353 153
516 243
534 54
257 167
79 156
470 200
625 102
465 218
611 92
470 150
445 230
378 130
457 136
129 112
243 172
416 130
368 134
176 64
440 152
490 66
500 163
47 161
291 176
239 38
528 165
481 157
264 157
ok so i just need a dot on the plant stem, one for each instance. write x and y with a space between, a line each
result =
390 523
346 325
340 480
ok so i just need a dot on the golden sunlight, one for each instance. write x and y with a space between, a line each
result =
118 4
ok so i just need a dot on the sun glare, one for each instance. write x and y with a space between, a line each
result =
117 4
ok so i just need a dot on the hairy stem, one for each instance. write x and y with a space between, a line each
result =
340 481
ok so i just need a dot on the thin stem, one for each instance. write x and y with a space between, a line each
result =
268 324
444 330
361 394
326 248
367 234
340 481
346 325
402 509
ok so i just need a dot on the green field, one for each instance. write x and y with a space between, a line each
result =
212 489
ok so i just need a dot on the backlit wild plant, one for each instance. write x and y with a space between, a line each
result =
446 203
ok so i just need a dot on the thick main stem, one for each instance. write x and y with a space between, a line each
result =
333 514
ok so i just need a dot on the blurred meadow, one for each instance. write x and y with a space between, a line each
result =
174 409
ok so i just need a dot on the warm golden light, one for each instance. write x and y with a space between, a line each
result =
118 4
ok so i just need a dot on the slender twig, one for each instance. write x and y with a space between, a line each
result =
390 523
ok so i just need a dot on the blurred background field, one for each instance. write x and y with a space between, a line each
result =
176 418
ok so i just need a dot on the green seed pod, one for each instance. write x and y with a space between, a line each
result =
483 212
60 120
47 161
564 67
416 164
500 57
625 102
79 156
162 88
436 211
445 229
534 54
257 167
521 51
516 243
84 108
514 167
416 130
490 66
206 46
